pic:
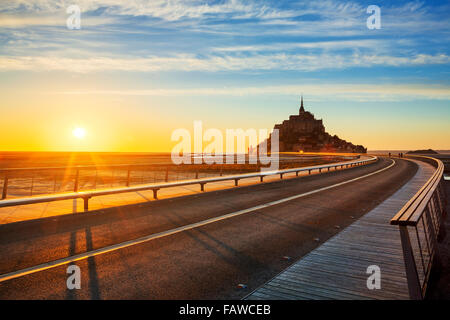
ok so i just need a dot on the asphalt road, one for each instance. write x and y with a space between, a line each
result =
207 262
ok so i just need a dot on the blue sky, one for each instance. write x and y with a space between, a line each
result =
235 63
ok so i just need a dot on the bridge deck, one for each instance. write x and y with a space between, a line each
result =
337 269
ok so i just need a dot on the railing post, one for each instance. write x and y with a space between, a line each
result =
128 177
75 184
155 194
86 203
5 187
415 291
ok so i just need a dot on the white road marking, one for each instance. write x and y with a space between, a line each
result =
93 253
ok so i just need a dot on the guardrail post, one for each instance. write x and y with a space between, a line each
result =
202 187
281 176
75 184
155 194
236 181
415 292
261 178
5 187
296 173
309 171
86 203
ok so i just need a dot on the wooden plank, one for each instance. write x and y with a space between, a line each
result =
308 288
337 268
314 279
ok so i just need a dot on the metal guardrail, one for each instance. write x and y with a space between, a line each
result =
86 195
5 171
73 174
421 220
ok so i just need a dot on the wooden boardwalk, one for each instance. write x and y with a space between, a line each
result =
338 268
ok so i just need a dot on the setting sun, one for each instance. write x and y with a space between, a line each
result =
79 133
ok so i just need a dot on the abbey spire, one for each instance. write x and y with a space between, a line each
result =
302 109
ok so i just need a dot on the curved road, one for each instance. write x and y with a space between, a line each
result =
206 262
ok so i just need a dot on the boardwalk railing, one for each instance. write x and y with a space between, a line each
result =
86 195
420 222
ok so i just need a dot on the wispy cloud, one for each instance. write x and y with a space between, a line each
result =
317 92
327 45
168 10
12 21
215 63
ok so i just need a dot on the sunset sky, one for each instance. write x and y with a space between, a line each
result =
138 70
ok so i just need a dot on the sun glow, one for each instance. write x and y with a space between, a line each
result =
79 133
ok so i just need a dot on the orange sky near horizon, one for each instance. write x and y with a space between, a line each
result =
39 121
